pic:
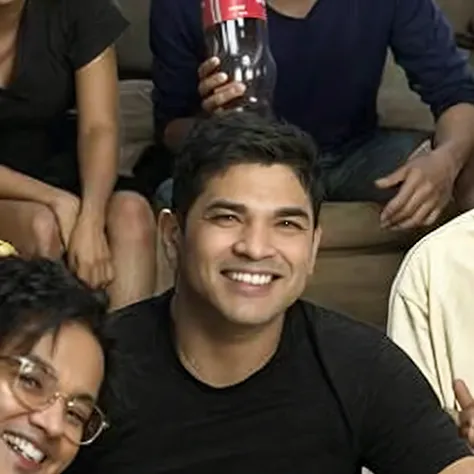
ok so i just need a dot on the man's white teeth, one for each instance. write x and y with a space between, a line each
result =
24 447
251 278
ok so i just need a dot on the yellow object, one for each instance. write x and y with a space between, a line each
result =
431 307
6 249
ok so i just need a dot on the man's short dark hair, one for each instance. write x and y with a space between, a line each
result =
38 297
221 141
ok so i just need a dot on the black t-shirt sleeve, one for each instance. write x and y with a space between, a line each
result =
94 26
404 428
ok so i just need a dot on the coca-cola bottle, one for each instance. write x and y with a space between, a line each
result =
236 32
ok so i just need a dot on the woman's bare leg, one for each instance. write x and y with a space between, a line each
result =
131 230
31 228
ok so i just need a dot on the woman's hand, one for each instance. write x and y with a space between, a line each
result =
88 252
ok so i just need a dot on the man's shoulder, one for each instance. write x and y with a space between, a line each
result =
135 322
459 230
452 241
338 333
331 320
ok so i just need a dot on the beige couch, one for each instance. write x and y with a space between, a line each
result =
357 259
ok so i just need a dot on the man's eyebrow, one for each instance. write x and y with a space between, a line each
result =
225 204
287 211
293 211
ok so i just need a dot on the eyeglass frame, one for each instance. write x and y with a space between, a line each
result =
23 360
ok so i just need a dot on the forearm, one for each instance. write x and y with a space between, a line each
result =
15 185
98 157
455 133
176 132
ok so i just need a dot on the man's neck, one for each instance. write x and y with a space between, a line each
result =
216 352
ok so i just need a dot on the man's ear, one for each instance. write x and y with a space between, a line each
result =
314 251
169 236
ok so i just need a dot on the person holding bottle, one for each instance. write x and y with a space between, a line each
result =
330 56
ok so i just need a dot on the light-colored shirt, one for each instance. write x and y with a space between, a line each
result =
431 308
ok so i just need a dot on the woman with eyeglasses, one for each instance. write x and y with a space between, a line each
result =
53 357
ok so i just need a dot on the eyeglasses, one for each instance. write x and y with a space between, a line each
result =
35 385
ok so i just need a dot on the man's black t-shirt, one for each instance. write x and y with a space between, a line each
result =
55 39
337 395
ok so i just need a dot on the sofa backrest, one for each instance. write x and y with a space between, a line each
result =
133 50
458 12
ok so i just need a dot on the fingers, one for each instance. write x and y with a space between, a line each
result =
222 96
96 273
210 78
466 416
468 434
393 179
102 273
65 233
208 67
207 86
463 395
109 273
423 216
418 203
466 425
422 209
390 214
215 88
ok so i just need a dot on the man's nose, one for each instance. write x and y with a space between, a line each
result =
255 242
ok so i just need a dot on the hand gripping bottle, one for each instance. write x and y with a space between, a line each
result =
236 32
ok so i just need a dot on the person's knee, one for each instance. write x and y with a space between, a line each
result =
46 237
131 220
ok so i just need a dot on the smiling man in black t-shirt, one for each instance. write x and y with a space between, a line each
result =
230 372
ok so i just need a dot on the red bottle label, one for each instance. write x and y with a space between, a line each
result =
217 11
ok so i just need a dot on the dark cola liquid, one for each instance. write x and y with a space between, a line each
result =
242 46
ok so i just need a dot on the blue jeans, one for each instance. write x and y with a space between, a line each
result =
350 174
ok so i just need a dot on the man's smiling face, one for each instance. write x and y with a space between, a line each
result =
249 243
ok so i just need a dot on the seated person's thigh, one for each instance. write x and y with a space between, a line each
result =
352 176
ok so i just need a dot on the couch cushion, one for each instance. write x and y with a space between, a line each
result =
356 225
355 283
397 105
133 48
136 122
458 12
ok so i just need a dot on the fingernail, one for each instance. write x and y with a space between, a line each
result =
223 77
239 87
